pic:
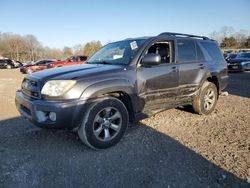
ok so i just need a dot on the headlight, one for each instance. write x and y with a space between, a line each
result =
55 88
244 63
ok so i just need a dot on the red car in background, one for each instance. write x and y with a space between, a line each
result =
36 66
72 60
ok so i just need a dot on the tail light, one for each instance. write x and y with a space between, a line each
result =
226 67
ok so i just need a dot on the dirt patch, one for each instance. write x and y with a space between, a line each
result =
175 148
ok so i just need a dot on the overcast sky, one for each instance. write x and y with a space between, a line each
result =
59 23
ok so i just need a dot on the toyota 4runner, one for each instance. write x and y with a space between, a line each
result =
124 82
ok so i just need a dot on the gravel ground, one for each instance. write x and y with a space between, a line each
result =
175 148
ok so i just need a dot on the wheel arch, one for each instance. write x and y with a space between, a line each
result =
119 88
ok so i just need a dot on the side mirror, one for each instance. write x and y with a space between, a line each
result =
151 60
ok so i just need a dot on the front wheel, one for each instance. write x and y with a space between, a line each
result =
8 67
205 101
104 124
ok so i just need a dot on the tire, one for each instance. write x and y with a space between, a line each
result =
8 67
29 71
205 101
104 124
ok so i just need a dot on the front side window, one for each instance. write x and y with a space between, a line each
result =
117 53
40 62
186 50
161 48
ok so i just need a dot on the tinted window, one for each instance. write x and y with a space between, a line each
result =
243 55
186 50
212 49
83 58
200 55
41 62
161 48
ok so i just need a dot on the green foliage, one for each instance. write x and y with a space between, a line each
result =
247 43
229 42
91 47
67 51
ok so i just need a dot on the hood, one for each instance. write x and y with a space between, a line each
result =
75 72
239 60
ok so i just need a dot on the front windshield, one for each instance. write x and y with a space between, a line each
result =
244 55
117 53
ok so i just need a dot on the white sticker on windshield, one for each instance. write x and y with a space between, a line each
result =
133 45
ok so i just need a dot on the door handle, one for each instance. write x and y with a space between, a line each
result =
174 69
202 66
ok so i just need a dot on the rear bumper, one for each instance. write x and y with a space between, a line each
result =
68 114
235 68
223 82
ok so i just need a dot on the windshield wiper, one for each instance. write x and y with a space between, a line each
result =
101 62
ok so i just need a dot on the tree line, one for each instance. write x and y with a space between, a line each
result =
228 37
28 48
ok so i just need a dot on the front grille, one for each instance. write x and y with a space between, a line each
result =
30 88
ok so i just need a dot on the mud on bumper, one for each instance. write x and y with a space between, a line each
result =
67 115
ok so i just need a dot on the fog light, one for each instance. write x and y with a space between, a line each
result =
41 116
52 116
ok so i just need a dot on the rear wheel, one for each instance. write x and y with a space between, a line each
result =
104 124
205 101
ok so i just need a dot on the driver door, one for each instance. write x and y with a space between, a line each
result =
158 85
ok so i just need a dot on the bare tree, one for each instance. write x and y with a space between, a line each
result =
227 31
241 37
33 46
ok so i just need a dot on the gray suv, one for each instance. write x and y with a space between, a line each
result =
124 82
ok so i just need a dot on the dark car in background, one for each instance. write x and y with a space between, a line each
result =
229 57
36 66
6 64
240 63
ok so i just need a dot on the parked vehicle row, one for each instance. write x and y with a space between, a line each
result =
238 62
9 64
52 63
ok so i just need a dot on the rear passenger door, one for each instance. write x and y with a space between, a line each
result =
192 68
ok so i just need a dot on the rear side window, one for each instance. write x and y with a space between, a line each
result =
186 50
83 58
212 49
200 55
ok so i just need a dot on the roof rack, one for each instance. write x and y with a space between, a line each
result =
183 35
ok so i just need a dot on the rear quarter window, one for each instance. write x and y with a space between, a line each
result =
213 50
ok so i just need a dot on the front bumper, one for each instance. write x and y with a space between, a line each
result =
68 114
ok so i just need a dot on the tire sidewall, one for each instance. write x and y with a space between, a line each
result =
86 128
202 98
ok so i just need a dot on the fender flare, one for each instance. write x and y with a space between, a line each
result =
103 87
